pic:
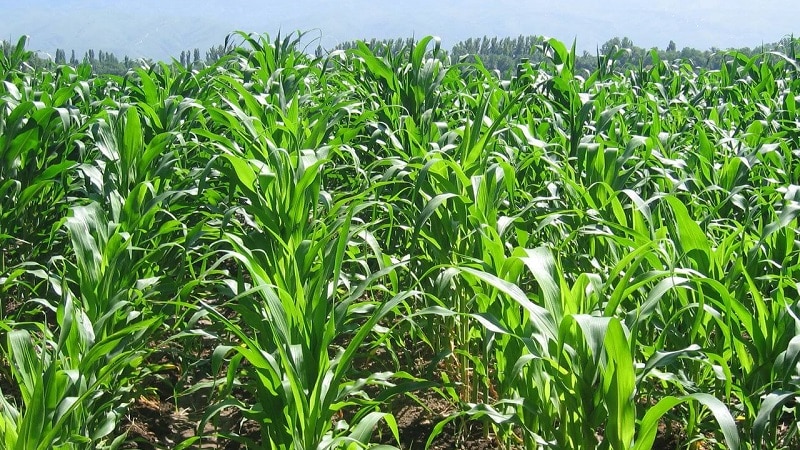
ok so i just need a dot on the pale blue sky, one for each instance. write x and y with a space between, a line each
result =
161 29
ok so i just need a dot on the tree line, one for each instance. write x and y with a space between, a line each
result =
105 62
499 54
503 54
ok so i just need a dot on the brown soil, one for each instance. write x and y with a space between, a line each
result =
156 421
416 423
152 424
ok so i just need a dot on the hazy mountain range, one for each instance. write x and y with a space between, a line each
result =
161 30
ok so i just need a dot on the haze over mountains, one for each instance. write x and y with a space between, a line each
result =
161 30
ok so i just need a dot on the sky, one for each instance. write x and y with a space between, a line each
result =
162 29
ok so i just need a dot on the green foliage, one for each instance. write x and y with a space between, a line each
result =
572 255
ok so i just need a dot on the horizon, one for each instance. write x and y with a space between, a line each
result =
161 31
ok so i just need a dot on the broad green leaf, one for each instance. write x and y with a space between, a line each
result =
692 238
650 422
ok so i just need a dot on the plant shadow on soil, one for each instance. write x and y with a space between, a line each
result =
152 424
155 422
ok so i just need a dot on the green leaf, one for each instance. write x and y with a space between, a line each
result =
540 317
692 238
362 431
662 359
26 363
618 387
771 404
542 264
649 425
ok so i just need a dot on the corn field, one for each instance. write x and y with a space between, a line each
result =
286 250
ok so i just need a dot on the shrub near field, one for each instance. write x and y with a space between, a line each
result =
582 260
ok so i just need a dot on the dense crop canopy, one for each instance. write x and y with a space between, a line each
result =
291 250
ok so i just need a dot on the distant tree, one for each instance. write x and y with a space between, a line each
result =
614 44
183 58
215 53
501 55
672 47
196 55
73 60
519 48
60 56
788 46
